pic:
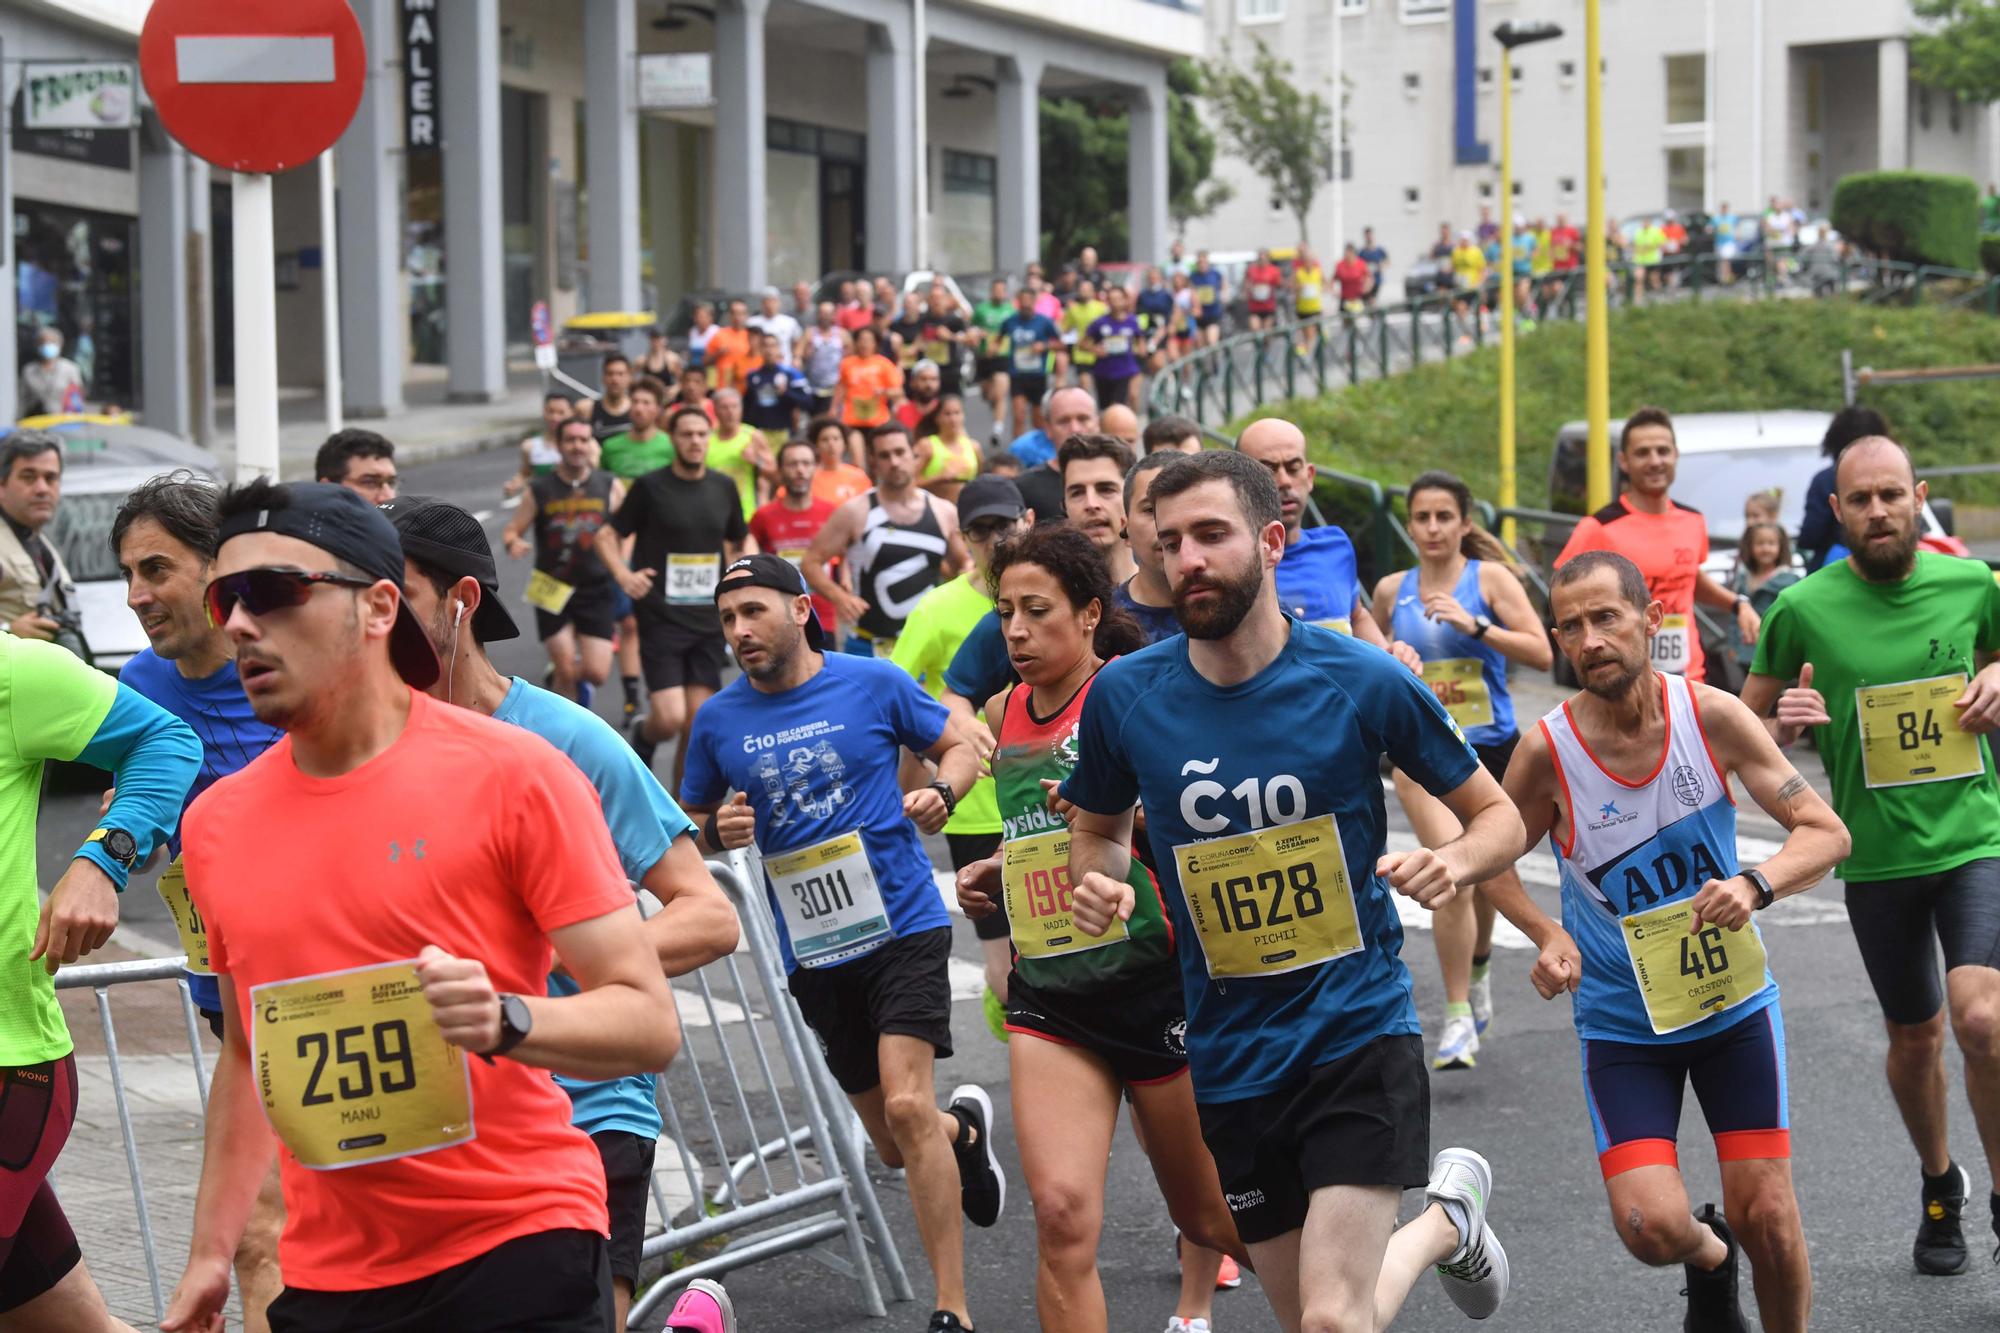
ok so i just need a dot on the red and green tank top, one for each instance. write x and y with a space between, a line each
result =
1050 953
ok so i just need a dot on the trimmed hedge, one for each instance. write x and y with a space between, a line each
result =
1989 251
1917 216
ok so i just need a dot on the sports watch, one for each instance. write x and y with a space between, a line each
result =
515 1024
1480 624
118 845
943 789
1765 894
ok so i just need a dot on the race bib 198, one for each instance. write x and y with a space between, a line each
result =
187 921
1035 872
832 906
1910 733
548 593
1460 685
1670 645
352 1068
691 579
1685 977
1272 901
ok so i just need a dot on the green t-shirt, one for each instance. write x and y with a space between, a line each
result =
725 455
51 704
930 636
988 316
1861 636
629 457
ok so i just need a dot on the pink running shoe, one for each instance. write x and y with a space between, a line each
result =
703 1308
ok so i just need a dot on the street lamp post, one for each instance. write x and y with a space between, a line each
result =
1596 331
1510 35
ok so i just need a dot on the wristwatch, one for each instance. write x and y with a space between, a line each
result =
1765 895
118 844
515 1024
943 789
1740 603
1480 624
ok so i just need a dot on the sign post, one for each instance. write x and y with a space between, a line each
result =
329 297
254 88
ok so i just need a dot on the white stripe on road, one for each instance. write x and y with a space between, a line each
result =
254 59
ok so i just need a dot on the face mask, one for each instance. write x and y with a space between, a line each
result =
49 351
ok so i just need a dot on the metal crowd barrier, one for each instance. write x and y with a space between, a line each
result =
749 1105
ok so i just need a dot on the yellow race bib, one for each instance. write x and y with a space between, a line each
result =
1339 625
187 921
1035 871
1272 901
830 901
352 1068
793 555
547 593
1460 685
1684 978
1670 645
1910 733
691 579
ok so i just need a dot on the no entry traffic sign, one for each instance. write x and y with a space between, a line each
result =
250 85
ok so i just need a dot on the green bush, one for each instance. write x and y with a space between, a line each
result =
1713 357
1989 251
1917 216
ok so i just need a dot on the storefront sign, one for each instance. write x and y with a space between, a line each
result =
420 76
93 95
674 81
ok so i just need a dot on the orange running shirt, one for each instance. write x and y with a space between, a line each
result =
868 380
1668 549
730 357
466 833
838 484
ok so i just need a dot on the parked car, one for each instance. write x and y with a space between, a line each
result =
104 458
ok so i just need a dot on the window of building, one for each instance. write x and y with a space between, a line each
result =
1566 186
1685 171
1566 72
1486 189
1424 11
968 219
1259 11
1413 83
1412 197
1350 8
1687 89
1486 78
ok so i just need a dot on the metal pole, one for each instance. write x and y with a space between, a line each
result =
1708 109
1507 493
253 265
329 296
1597 334
1756 111
919 40
1339 139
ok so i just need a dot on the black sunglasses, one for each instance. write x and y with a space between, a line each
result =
262 591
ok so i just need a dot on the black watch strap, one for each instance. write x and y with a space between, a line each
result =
515 1024
1765 895
943 789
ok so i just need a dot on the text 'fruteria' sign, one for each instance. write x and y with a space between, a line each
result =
420 76
88 95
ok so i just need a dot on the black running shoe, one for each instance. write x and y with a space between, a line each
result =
1711 1293
642 744
944 1321
1996 1227
1940 1248
982 1186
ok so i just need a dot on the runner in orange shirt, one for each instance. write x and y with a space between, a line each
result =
870 385
731 353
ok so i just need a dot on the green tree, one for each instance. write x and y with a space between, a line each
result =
1958 49
1085 190
1282 134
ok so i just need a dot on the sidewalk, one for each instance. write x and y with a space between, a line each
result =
428 427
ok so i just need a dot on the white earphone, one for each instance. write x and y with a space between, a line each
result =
459 618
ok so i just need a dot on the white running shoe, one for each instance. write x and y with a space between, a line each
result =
1476 1275
1458 1048
1482 1003
1179 1325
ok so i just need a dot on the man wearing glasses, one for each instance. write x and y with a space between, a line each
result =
381 890
360 460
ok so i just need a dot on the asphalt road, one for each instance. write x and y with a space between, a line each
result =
1522 1107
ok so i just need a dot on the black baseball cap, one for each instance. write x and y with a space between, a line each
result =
448 538
348 528
776 573
989 497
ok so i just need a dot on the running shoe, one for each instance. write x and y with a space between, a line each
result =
642 744
1481 996
1458 1048
944 1321
703 1308
1476 1275
1179 1325
982 1185
996 1014
1711 1294
1228 1277
1940 1248
585 693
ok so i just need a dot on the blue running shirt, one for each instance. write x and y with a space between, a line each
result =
1435 641
1317 581
819 762
1301 740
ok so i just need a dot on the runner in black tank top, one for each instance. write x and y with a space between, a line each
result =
895 564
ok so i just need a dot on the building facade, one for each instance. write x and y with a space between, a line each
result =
1707 104
596 155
